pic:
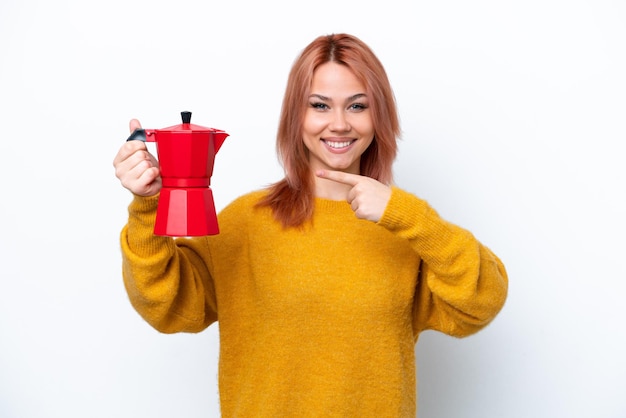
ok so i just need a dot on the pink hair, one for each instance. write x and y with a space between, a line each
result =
292 198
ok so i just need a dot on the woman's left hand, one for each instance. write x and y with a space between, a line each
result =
368 197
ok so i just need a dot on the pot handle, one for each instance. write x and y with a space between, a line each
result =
138 134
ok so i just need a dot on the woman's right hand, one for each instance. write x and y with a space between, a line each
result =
136 168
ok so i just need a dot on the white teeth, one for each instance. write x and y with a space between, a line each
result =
338 145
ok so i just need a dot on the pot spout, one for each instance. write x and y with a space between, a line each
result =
219 138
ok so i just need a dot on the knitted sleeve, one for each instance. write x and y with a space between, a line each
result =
462 285
167 280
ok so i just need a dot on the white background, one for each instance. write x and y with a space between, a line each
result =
513 116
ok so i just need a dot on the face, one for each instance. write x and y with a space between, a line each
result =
338 124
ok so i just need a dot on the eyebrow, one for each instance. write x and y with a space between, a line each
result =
351 98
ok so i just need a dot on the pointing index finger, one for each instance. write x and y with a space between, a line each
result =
339 176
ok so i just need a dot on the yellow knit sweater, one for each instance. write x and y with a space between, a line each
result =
318 322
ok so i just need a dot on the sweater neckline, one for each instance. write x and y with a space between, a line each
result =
324 203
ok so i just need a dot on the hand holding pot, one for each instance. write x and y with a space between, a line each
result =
136 168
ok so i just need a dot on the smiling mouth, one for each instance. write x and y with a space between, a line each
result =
338 144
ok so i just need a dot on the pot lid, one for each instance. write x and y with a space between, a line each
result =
187 126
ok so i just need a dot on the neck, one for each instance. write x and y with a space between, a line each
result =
332 190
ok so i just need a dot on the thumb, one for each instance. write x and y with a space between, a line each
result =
133 125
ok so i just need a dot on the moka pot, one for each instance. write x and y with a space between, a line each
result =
186 154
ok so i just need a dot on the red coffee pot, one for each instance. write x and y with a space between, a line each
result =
186 154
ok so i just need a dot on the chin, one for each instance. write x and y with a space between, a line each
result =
344 168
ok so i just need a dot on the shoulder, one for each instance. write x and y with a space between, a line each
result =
402 200
242 208
405 208
245 201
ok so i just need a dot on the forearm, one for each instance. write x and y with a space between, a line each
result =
163 285
463 285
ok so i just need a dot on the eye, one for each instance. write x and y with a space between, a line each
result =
358 107
319 105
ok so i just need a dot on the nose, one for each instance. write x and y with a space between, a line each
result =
339 121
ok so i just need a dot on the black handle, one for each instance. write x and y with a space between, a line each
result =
139 134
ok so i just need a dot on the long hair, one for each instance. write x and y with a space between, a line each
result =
292 198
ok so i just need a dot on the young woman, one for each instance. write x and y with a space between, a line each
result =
323 281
